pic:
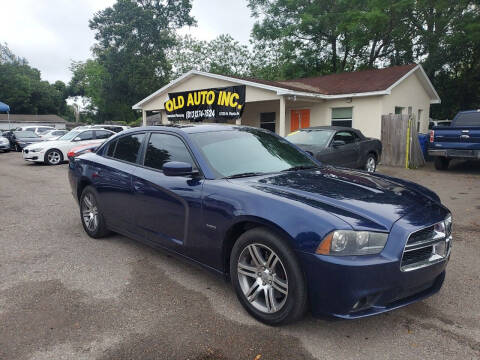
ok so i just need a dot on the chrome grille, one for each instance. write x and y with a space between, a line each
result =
426 247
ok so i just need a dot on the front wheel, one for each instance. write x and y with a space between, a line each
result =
267 277
53 157
371 163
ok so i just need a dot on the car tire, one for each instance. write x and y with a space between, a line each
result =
273 292
441 163
53 157
90 214
371 163
17 148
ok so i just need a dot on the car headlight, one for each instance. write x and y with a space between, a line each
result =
349 242
448 225
35 150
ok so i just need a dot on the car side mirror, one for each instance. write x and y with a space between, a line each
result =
178 168
337 143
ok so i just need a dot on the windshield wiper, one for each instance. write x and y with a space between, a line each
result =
301 167
245 174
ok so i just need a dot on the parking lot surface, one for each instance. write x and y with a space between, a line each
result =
64 295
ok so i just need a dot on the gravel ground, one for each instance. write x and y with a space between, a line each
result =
64 295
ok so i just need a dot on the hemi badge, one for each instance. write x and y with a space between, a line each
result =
213 227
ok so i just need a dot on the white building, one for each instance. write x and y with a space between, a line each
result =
356 99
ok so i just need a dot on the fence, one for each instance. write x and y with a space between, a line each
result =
400 141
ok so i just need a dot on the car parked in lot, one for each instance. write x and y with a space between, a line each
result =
4 144
39 130
340 146
21 139
285 229
433 123
114 128
460 140
55 152
82 149
53 134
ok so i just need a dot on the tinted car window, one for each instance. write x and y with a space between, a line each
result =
467 119
346 136
111 148
30 129
128 147
102 134
86 135
249 150
163 148
42 130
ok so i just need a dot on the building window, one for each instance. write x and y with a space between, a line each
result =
342 116
267 121
399 110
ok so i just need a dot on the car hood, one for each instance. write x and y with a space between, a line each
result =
363 200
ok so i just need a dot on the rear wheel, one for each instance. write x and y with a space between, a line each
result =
92 218
441 163
267 278
53 157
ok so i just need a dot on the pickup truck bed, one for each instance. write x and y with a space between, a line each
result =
459 141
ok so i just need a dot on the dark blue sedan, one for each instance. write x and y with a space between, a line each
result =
289 232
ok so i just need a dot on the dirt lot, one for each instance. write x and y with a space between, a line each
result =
64 295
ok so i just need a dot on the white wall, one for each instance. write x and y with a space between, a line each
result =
409 92
366 113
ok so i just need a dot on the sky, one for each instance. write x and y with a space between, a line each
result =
52 33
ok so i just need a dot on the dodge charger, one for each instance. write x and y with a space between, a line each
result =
290 233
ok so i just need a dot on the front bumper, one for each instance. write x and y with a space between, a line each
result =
33 156
352 287
4 146
455 153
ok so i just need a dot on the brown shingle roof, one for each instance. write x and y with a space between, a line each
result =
32 118
343 83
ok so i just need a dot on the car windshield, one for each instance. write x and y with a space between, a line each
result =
247 152
25 134
310 137
70 135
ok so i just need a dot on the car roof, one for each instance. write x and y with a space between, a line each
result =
335 128
188 128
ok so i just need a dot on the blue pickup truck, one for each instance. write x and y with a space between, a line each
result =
460 141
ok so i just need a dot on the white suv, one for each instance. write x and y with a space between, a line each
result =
39 130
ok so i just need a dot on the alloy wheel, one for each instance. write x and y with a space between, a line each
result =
371 164
54 157
262 278
90 212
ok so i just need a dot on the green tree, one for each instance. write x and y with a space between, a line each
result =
22 88
130 54
222 55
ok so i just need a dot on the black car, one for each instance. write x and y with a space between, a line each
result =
340 146
20 139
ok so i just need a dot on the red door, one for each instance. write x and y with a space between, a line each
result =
299 119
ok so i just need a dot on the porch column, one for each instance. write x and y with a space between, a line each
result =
144 118
282 131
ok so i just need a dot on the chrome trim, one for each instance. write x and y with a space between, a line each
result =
434 258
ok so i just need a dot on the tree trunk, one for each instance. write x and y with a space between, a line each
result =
334 54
